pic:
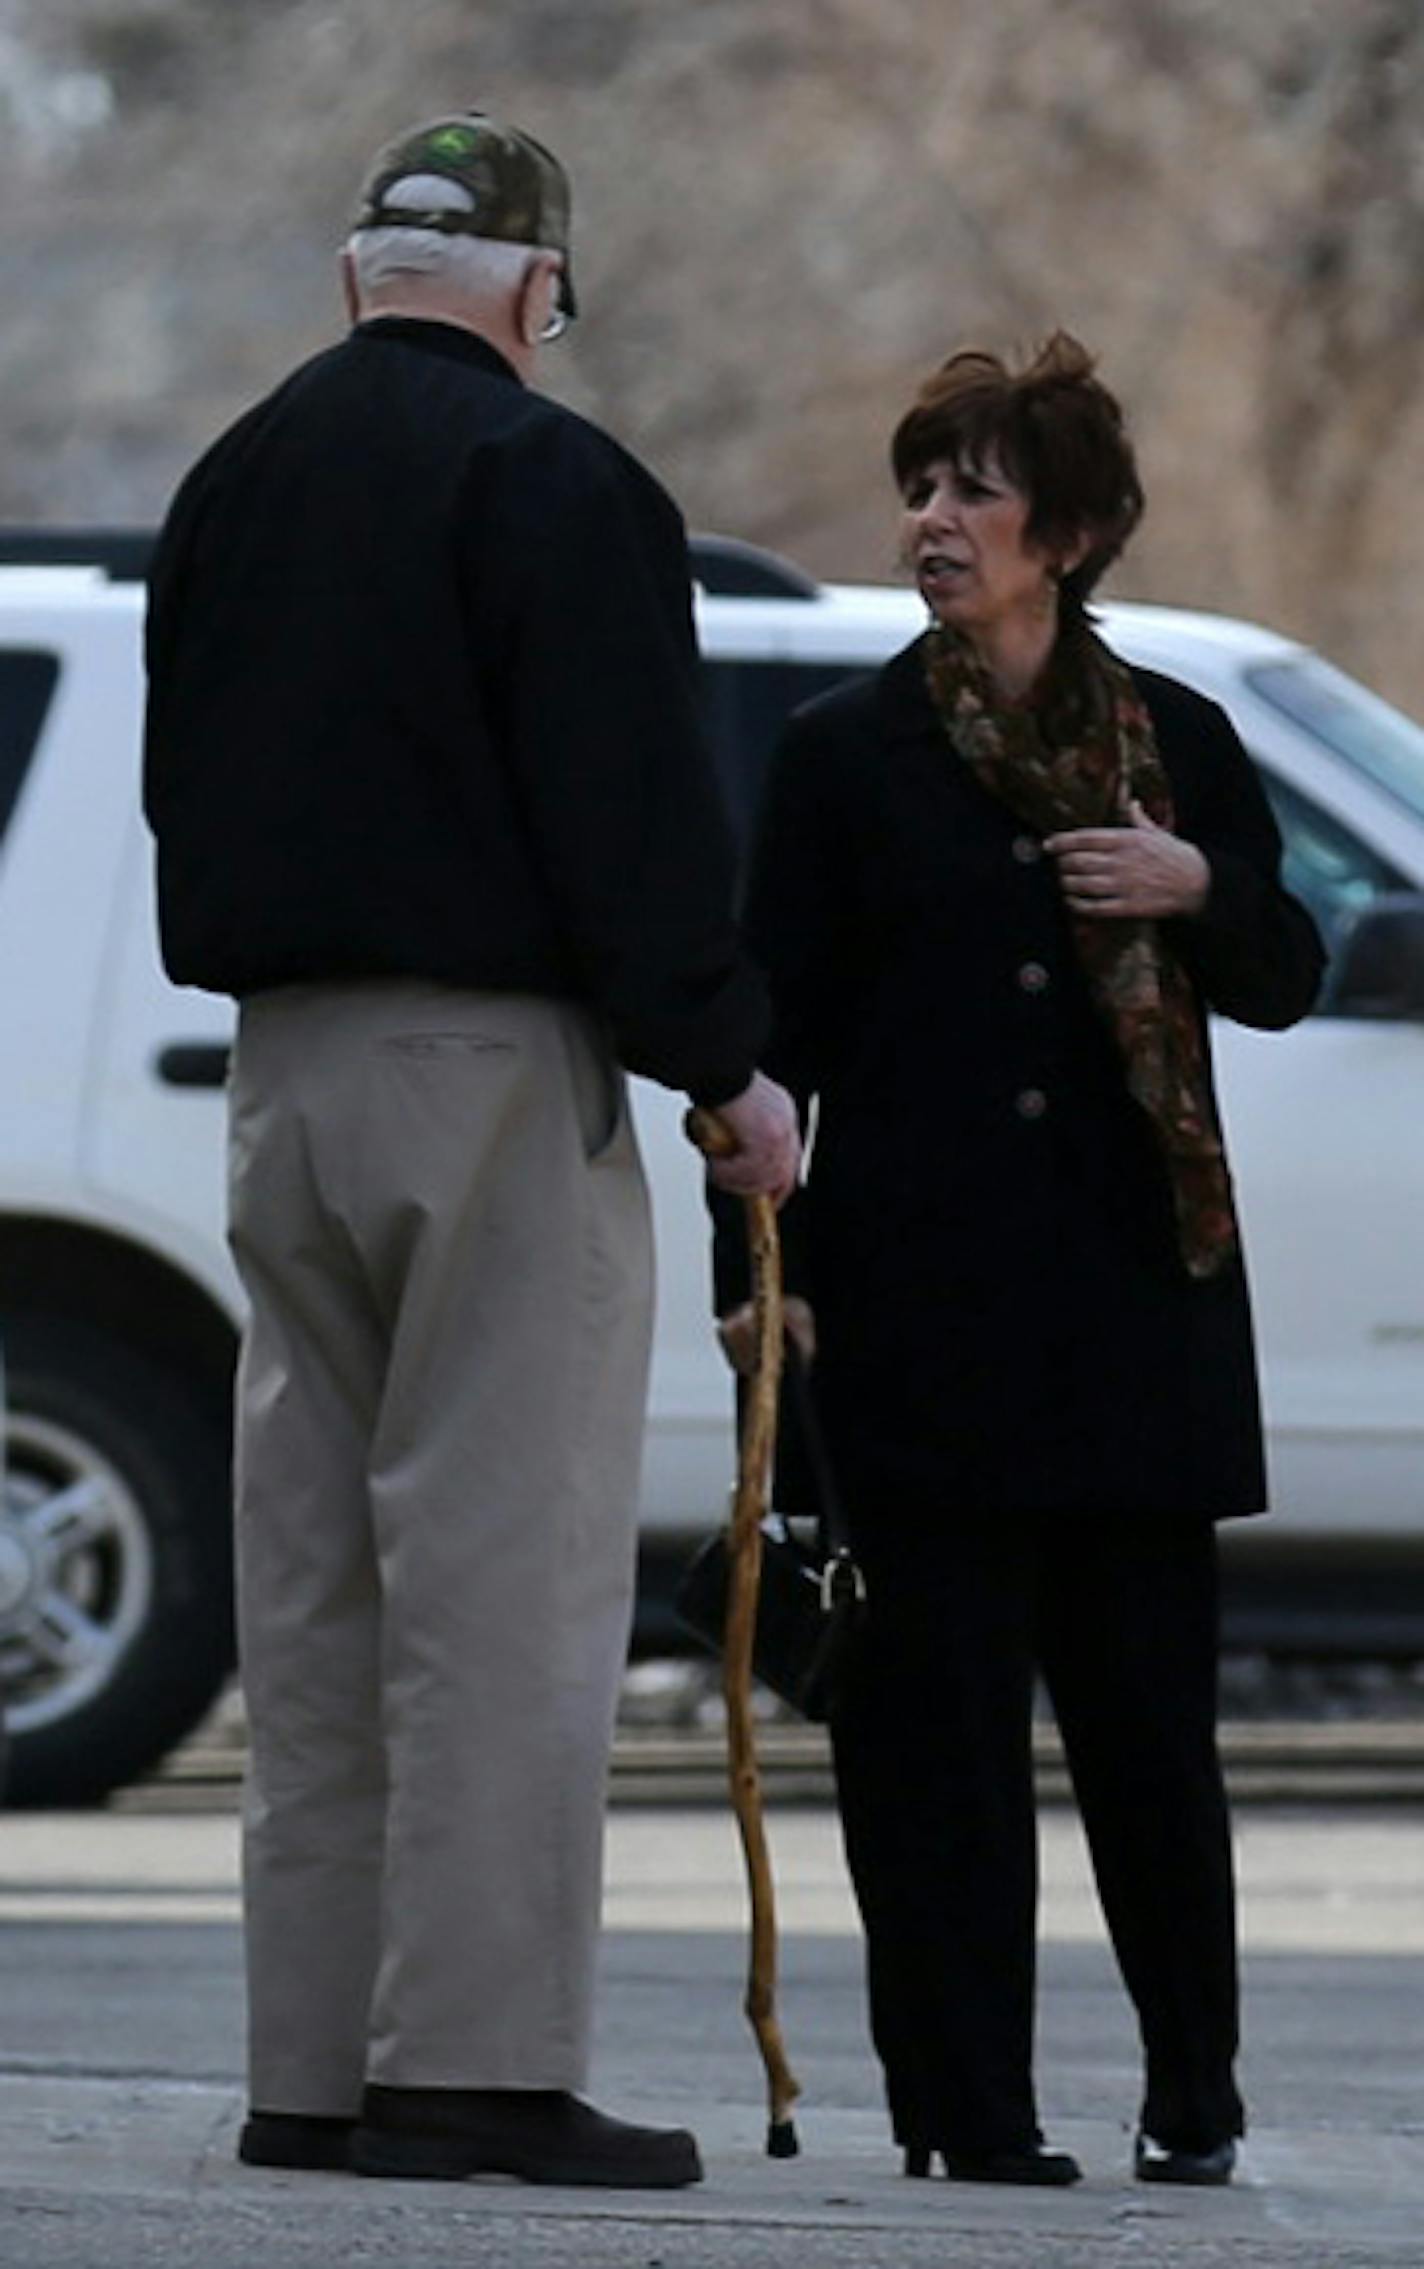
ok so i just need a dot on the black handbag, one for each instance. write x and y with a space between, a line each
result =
812 1593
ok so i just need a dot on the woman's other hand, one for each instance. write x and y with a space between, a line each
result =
736 1332
1137 873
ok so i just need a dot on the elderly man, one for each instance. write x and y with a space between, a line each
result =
430 801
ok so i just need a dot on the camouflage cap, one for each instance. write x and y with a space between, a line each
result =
519 192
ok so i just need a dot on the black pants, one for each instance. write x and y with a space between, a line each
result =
934 1769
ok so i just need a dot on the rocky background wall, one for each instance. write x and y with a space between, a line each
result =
787 210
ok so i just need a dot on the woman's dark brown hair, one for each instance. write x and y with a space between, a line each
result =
1053 429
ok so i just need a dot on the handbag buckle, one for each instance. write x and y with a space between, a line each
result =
842 1583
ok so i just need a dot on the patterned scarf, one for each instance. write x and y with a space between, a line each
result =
1076 757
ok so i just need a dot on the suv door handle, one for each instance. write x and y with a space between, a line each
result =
193 1063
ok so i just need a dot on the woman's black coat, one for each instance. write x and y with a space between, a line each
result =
987 1238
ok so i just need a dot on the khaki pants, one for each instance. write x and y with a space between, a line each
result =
440 1218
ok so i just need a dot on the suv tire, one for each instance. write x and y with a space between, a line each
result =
115 1560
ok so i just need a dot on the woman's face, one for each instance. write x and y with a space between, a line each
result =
963 540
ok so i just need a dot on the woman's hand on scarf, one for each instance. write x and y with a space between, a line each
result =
1139 873
736 1332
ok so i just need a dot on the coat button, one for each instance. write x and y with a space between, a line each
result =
1033 977
1030 1102
1027 850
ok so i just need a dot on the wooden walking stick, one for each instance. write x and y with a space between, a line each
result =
754 1461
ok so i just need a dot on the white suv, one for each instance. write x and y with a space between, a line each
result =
118 1304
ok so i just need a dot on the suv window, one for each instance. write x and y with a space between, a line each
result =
744 706
1378 740
27 682
1326 866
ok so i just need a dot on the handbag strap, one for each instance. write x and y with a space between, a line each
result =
833 1529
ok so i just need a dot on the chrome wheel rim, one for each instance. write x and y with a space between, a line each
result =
76 1571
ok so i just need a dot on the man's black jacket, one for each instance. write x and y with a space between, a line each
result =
422 703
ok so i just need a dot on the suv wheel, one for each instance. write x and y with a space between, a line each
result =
115 1569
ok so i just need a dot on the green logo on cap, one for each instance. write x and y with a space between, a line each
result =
452 142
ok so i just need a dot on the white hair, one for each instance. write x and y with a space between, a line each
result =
468 267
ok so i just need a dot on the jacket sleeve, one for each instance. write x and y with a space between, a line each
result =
1253 951
161 631
799 926
578 580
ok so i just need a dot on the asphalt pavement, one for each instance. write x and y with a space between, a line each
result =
120 2092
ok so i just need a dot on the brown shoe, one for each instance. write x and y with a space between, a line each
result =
538 2134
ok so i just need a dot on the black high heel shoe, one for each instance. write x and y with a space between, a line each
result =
1035 2165
1163 2162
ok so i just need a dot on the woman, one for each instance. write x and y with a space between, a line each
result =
997 887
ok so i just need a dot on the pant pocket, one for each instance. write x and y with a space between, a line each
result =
597 1083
